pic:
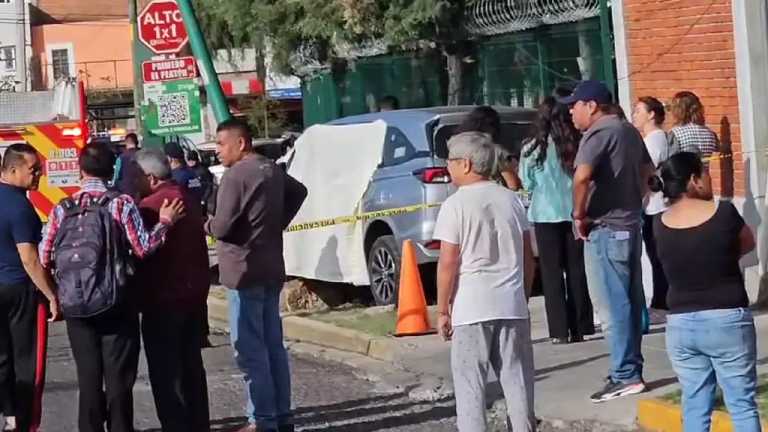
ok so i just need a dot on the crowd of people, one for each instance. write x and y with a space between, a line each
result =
599 187
125 260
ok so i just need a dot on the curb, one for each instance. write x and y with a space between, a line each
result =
299 329
655 415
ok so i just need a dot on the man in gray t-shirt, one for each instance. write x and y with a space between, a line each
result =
615 152
612 170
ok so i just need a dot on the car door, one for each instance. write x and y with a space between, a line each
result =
395 186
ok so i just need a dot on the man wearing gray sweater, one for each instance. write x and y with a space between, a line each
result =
256 202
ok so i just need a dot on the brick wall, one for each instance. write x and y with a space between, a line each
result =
676 45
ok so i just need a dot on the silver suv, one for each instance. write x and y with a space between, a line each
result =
411 183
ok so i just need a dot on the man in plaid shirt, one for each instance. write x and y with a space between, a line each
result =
106 346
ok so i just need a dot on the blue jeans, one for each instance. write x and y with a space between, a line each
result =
614 276
711 347
257 337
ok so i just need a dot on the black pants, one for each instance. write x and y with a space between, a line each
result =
176 371
18 313
204 326
660 284
106 351
569 308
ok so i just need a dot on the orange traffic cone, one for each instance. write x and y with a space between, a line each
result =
412 318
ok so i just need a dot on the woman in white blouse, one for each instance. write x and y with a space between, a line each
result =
648 117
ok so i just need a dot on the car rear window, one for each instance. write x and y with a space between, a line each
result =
512 137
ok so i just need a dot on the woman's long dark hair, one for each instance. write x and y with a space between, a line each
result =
676 173
554 121
482 119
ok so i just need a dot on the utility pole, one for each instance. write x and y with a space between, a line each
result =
207 71
133 13
21 48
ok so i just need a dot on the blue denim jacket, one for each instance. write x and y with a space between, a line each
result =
551 188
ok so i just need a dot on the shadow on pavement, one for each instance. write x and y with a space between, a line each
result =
362 415
341 406
653 385
393 420
573 364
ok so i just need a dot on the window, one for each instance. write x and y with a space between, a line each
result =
7 58
512 136
60 62
397 148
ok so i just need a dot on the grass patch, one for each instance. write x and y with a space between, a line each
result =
762 397
376 322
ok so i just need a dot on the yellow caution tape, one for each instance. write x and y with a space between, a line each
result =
717 157
341 220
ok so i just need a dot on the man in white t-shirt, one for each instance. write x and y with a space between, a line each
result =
484 278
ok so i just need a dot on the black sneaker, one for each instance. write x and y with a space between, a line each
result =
614 390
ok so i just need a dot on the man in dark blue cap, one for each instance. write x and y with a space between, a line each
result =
612 171
182 174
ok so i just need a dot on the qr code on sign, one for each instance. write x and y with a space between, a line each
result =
173 109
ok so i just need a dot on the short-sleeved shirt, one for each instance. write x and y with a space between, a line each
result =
659 150
19 223
487 222
702 262
617 154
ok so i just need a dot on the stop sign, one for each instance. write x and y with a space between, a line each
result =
161 27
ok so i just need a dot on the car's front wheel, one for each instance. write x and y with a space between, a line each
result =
384 270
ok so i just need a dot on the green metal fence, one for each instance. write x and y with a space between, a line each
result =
516 69
521 68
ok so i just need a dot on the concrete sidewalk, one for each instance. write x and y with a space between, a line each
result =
566 375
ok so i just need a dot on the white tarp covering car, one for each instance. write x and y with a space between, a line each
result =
335 163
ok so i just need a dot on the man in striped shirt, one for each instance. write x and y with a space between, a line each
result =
106 346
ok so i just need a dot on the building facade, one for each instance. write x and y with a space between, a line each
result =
14 45
717 49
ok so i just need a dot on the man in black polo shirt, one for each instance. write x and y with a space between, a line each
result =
20 273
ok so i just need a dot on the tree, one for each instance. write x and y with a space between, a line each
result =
303 35
438 23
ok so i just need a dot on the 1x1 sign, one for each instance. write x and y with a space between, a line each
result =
169 70
161 27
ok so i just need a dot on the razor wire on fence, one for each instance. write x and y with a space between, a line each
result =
491 17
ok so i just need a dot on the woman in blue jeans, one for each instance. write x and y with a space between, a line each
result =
710 332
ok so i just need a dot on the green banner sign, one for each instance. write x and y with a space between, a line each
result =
172 107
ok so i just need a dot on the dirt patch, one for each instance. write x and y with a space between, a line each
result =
375 321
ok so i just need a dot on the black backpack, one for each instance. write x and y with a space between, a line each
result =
91 257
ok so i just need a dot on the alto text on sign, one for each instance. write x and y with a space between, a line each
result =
169 70
161 27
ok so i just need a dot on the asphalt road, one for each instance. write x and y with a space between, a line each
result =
328 396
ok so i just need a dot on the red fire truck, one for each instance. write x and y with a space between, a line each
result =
55 123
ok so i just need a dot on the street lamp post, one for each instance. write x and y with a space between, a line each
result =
207 71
